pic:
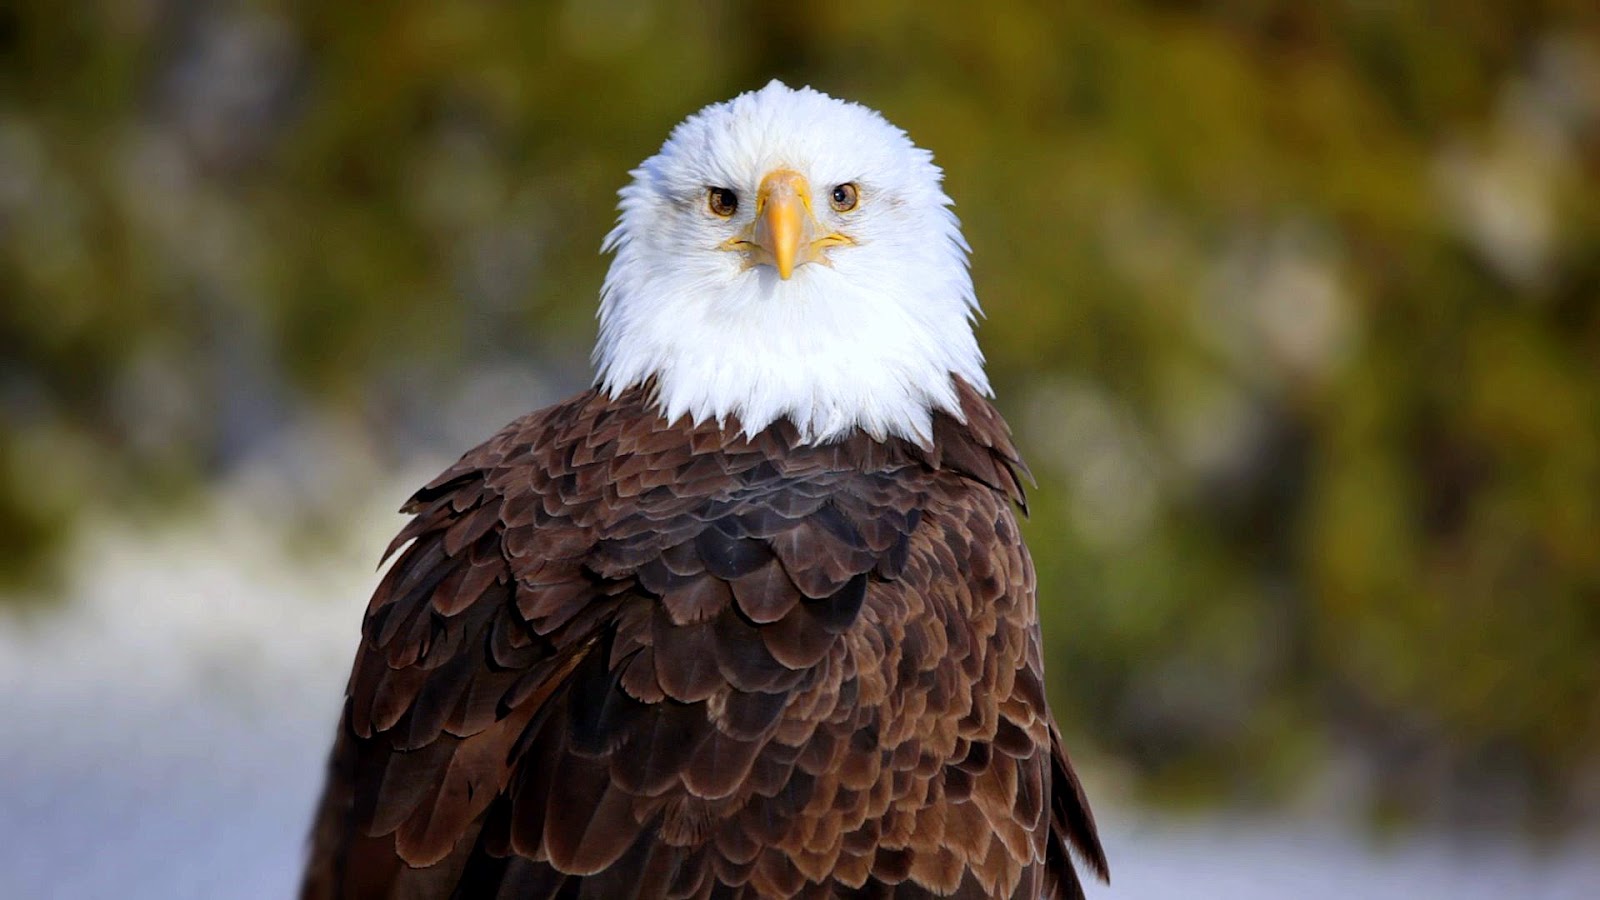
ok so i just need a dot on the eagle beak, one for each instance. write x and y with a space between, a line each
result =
785 233
784 226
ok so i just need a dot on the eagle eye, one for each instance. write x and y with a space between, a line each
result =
844 197
722 201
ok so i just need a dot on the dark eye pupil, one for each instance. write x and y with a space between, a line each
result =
840 195
723 201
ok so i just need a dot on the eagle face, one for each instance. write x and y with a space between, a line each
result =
787 254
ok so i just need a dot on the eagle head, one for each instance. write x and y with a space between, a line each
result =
789 255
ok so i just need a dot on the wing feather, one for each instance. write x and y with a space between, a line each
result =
617 657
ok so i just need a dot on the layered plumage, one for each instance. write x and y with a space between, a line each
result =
627 653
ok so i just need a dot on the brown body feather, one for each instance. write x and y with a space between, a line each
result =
622 658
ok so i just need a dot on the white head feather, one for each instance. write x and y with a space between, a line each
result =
868 339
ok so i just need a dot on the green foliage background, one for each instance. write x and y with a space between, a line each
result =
1295 307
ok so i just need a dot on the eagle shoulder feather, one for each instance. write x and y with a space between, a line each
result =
622 657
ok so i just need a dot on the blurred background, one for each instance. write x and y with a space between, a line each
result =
1295 309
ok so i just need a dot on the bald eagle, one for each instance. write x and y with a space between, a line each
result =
752 616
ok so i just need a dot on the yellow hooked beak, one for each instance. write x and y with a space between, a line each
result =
785 233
